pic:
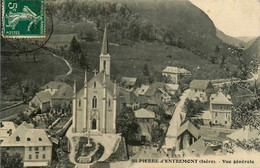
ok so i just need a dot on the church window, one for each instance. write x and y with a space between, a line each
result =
28 139
94 102
104 65
109 103
17 138
95 84
79 103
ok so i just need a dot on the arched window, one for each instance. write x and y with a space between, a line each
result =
17 138
109 103
104 65
94 102
95 84
94 124
40 139
79 103
28 139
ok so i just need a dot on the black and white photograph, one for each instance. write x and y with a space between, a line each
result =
130 84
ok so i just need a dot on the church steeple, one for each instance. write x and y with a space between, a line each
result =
104 50
105 60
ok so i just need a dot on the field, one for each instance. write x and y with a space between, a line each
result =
12 112
43 70
129 60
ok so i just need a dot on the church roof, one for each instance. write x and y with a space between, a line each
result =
25 135
221 99
104 49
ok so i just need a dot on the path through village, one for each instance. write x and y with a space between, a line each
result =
177 118
68 64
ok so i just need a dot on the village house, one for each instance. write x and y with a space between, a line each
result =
53 94
187 135
32 144
129 82
41 100
201 90
199 148
172 89
220 108
129 99
6 129
174 73
246 134
145 120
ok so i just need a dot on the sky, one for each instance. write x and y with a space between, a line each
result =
233 17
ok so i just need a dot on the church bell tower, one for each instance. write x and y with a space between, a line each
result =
104 58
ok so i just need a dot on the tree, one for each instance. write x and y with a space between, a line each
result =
75 46
156 133
145 70
192 108
82 61
8 161
29 89
126 123
242 115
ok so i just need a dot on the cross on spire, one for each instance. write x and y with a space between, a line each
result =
95 72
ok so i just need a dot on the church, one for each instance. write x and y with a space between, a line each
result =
96 105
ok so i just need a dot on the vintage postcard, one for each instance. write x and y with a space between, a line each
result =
130 84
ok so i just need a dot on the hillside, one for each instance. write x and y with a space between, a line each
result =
228 39
182 18
254 50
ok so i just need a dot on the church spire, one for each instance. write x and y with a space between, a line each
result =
104 50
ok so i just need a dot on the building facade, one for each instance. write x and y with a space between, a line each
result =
96 105
201 90
220 108
32 144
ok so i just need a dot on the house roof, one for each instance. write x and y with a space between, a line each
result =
169 86
129 96
25 135
129 81
247 133
199 84
142 90
53 85
189 127
62 38
44 96
6 128
221 99
153 88
143 113
200 148
64 91
170 69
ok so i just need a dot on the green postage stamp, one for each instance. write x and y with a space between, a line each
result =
23 18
